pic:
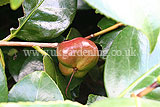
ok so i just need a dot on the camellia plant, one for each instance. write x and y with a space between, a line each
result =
113 62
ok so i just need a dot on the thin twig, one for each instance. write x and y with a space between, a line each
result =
51 45
29 44
74 71
148 89
105 30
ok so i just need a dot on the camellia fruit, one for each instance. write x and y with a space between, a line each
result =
77 56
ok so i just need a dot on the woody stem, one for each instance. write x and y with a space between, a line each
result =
29 44
105 30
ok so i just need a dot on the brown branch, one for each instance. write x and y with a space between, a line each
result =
53 45
105 30
146 90
29 44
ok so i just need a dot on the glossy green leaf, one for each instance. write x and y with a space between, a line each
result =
149 77
66 103
4 2
105 23
142 14
106 40
53 71
125 102
37 86
15 4
128 62
93 98
44 19
3 81
73 33
62 84
49 67
24 63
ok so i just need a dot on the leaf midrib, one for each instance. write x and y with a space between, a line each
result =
39 82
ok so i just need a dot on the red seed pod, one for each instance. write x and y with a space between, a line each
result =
77 53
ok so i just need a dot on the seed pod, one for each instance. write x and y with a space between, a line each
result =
76 57
79 53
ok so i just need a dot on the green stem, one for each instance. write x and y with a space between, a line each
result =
2 59
138 80
41 51
9 37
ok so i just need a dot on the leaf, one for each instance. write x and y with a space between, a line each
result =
81 5
4 2
3 81
93 98
125 102
105 23
148 78
142 14
49 67
15 63
15 4
58 39
37 86
62 84
128 62
24 63
44 19
53 71
106 40
31 64
73 33
66 103
95 73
